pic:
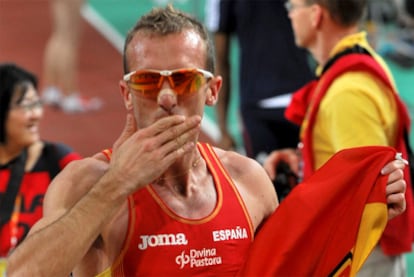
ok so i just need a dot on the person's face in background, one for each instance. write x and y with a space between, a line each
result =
22 123
300 13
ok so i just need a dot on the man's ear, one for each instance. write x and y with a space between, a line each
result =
317 15
213 90
126 95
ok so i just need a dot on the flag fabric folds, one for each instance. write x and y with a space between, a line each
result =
329 224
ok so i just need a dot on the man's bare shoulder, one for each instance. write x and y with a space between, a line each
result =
74 181
83 168
234 162
240 166
252 182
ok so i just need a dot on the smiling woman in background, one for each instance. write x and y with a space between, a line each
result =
27 163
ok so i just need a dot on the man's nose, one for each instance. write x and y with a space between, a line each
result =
167 99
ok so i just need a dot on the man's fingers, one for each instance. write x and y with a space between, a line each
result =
180 141
396 204
287 155
396 186
269 165
180 132
165 123
395 175
391 166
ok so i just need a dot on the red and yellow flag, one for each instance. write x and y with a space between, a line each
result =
329 224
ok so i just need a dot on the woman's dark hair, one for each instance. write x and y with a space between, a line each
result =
13 79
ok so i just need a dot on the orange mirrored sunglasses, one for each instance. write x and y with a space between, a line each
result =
184 81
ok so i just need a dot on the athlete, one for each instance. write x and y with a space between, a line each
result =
159 202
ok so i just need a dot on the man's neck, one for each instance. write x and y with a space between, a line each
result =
327 40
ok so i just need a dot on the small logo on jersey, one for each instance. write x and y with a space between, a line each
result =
162 240
198 258
230 234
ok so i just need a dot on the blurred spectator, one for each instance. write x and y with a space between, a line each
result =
27 163
353 103
271 68
61 60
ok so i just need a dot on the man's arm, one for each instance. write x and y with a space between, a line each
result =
54 247
60 240
72 219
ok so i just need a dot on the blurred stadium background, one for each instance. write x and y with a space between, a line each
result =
24 29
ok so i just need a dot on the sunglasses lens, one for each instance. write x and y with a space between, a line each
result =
187 82
183 82
146 83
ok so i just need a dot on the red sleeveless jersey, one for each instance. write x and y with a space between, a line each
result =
161 243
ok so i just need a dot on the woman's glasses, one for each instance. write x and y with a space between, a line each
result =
29 106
